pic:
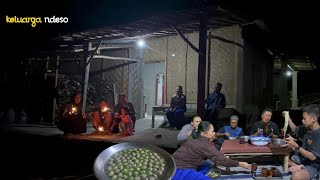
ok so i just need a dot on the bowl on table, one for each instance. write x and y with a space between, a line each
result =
277 142
259 141
245 138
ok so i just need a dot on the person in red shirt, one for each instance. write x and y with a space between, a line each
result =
126 124
102 118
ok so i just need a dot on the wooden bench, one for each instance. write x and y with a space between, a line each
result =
160 110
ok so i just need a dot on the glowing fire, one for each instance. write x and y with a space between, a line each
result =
73 110
105 109
100 128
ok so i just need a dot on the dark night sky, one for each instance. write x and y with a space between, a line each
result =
81 14
293 25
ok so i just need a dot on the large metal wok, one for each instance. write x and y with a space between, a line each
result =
104 156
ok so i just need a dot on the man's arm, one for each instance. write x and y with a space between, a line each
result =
223 101
241 132
307 154
132 110
292 125
253 129
276 129
171 102
184 103
208 99
221 132
184 133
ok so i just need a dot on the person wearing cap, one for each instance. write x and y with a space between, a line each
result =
232 130
229 131
175 114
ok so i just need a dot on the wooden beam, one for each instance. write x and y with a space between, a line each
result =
185 39
92 54
225 40
114 58
111 68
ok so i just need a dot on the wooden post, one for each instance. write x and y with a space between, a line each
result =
202 64
42 97
209 65
115 94
140 102
130 75
47 66
55 86
86 76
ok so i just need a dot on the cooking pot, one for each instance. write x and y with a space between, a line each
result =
104 156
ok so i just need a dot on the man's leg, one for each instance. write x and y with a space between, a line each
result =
179 118
170 117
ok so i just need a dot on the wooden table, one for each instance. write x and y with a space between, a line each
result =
234 148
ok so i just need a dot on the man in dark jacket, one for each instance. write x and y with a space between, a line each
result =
215 101
265 127
175 114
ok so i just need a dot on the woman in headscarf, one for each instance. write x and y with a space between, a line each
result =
196 151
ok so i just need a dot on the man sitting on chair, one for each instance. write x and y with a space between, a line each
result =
175 114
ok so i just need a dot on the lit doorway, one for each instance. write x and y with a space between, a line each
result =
160 89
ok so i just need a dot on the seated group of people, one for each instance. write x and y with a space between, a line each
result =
121 118
264 127
175 114
105 119
199 141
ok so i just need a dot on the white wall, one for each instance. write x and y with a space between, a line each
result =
150 74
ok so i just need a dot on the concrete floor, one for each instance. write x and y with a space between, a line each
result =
143 133
43 152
